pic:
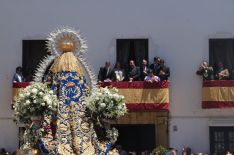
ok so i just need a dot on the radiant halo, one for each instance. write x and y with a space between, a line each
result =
56 42
57 38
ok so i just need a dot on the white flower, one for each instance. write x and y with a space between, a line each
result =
51 92
111 95
119 107
27 94
54 104
115 90
103 105
43 104
34 90
49 101
98 94
27 102
34 101
115 96
21 95
45 98
40 93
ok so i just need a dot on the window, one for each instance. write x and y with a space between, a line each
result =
33 52
221 139
131 49
136 137
221 50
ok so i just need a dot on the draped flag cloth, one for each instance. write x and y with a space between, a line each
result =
218 94
143 96
139 96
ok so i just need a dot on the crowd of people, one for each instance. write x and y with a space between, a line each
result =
19 77
170 151
155 72
120 151
217 72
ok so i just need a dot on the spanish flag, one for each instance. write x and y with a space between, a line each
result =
138 96
143 96
218 94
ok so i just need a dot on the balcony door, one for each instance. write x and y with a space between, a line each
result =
131 49
33 52
221 139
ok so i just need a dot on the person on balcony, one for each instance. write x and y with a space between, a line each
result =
105 73
156 65
118 73
18 76
186 151
151 77
144 69
206 71
221 73
164 71
134 72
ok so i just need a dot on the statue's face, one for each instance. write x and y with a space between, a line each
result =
67 46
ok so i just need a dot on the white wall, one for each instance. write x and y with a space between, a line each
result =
178 31
189 132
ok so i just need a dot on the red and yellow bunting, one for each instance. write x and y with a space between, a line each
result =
138 95
218 94
143 95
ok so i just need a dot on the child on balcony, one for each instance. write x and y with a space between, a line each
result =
151 77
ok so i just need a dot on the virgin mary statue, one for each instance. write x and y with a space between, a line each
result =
69 131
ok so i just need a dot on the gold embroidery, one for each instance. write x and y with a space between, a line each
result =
67 62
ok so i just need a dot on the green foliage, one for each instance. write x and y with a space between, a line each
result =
160 150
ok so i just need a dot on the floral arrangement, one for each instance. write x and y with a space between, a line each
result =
112 135
103 106
34 101
33 104
105 103
160 150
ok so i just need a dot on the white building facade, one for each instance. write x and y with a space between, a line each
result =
178 31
